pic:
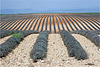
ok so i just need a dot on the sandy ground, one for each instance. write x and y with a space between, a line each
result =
57 54
2 40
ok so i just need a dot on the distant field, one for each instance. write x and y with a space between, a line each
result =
51 21
52 13
80 13
2 14
74 49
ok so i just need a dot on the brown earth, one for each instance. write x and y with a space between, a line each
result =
85 21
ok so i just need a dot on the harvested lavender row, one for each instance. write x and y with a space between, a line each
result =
4 33
28 32
13 41
40 47
91 35
95 31
73 46
10 44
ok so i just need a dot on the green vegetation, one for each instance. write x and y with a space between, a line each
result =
12 42
16 35
68 13
2 14
19 36
4 33
81 13
54 13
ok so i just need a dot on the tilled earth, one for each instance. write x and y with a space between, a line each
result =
57 54
50 22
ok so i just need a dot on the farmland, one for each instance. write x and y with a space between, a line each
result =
51 22
50 40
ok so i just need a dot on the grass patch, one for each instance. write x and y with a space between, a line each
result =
16 35
19 36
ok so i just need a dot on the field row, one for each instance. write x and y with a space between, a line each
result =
95 16
51 23
48 48
40 47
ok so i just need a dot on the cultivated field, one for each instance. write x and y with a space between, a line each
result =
51 22
50 40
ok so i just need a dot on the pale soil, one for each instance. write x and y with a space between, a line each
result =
57 54
2 40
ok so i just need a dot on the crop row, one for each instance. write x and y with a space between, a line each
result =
12 42
73 46
4 33
40 47
52 23
91 35
97 31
